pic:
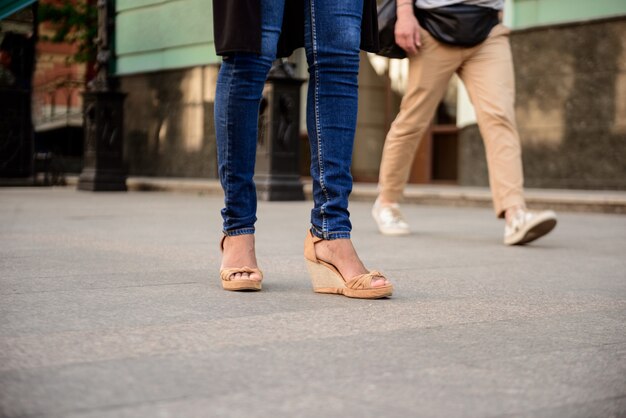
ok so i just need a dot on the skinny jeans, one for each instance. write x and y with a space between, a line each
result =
332 40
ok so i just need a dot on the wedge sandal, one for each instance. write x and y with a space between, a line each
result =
327 279
227 274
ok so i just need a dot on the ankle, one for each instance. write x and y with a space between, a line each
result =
245 240
238 250
382 201
342 254
509 213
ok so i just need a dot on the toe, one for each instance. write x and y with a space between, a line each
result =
379 282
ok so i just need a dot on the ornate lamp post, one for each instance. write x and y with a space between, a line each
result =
103 108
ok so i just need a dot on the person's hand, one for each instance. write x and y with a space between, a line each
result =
407 30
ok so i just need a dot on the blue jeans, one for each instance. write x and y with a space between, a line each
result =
332 38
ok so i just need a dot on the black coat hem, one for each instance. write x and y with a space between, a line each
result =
230 16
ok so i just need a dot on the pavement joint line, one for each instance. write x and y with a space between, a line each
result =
114 273
207 349
89 289
120 343
533 412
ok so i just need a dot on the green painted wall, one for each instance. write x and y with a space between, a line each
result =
528 13
153 35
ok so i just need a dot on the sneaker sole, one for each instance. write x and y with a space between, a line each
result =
389 232
393 233
541 228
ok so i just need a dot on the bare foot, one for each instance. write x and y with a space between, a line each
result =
239 252
341 254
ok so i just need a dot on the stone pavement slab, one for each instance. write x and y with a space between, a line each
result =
111 306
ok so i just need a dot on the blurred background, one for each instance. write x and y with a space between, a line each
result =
570 58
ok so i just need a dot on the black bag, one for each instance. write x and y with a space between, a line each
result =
459 24
386 26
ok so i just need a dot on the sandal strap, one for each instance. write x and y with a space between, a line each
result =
364 281
226 273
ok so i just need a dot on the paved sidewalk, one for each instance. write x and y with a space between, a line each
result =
110 306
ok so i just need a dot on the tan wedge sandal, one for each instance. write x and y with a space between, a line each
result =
228 283
327 279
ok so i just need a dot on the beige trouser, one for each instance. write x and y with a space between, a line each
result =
487 72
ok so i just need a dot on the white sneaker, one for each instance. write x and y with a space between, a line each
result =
389 219
527 226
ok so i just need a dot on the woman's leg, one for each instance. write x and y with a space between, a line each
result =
238 95
332 40
332 37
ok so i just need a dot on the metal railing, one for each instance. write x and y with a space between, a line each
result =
58 103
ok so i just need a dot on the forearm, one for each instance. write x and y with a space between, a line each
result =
404 8
407 29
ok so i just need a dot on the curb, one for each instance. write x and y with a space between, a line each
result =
558 199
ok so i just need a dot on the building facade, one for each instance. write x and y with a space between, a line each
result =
17 57
571 97
167 65
570 61
570 58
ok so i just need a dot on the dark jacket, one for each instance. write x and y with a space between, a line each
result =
237 26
